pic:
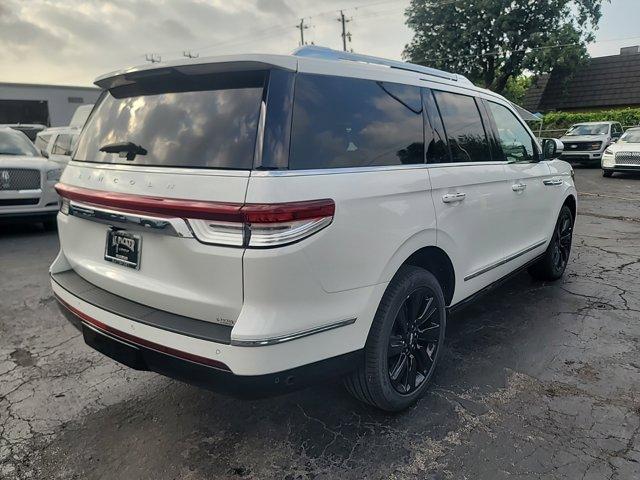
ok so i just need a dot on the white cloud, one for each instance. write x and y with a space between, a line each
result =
74 41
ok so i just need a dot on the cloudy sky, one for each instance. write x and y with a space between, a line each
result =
70 42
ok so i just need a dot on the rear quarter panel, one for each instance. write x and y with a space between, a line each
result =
377 212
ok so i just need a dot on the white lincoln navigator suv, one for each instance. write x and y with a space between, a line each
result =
254 223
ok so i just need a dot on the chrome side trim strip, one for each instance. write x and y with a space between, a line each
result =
292 336
504 260
174 227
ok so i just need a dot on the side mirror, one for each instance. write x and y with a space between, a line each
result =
44 153
551 148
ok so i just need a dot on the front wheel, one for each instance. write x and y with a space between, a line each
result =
554 261
607 173
404 342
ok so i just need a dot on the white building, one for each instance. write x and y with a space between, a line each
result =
51 105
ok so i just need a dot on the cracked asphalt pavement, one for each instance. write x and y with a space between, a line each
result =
538 380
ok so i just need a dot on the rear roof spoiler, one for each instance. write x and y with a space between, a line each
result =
227 63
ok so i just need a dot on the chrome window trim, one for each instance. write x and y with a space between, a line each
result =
291 336
499 263
381 168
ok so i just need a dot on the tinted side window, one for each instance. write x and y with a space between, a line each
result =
515 142
348 122
463 127
437 149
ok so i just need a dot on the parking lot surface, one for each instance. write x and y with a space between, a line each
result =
538 380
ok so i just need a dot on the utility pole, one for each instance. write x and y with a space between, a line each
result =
152 57
345 34
188 54
302 27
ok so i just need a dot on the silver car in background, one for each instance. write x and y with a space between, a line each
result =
584 143
27 180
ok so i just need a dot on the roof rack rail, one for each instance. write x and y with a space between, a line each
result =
325 53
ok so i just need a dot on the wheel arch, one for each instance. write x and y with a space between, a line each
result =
570 202
436 261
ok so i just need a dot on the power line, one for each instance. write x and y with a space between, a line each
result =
345 35
543 47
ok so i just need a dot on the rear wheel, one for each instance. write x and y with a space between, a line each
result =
607 173
555 259
404 343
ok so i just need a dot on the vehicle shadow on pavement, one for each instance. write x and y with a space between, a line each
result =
179 430
10 229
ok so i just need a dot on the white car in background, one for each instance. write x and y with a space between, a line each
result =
58 143
80 116
624 155
27 180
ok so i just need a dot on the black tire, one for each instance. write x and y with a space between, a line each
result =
408 329
50 224
607 173
555 259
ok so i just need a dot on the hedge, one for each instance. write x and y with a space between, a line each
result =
563 120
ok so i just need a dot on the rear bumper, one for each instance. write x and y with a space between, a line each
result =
141 355
196 351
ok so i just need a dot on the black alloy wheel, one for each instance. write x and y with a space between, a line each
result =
405 342
553 262
562 237
414 341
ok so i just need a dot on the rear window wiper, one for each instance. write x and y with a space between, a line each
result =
128 150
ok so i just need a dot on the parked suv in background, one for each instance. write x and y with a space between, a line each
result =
624 155
59 143
254 223
27 181
585 143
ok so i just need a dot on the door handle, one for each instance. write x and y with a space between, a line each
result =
453 197
553 182
518 187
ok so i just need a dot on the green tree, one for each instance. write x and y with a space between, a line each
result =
493 41
516 88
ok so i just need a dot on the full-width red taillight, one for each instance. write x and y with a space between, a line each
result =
249 225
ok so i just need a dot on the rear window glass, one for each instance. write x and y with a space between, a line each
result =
347 122
463 127
200 121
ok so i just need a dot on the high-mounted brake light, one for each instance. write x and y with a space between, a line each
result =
235 224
